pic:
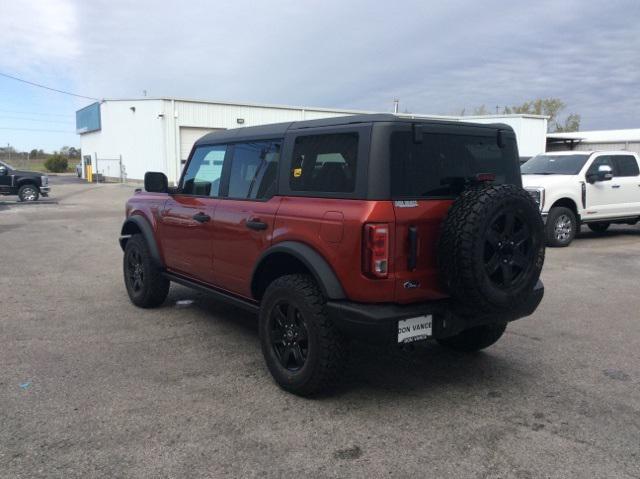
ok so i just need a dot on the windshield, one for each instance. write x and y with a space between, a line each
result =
554 164
4 163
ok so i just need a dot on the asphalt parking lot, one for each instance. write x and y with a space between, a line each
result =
91 386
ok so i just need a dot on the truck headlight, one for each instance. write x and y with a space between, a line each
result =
44 180
538 196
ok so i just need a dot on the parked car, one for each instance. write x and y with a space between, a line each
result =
369 227
79 170
596 188
28 185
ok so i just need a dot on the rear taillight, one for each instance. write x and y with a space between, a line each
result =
376 250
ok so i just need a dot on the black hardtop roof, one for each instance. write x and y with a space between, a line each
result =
278 130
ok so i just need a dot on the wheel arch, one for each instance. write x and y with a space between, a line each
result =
566 202
138 224
291 257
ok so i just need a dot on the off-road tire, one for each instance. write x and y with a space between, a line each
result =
599 227
475 339
470 238
155 287
28 192
327 347
556 214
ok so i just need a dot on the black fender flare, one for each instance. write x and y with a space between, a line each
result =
319 267
140 223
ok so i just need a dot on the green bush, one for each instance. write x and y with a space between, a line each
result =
57 164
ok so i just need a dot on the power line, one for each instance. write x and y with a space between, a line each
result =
47 87
35 119
37 113
35 129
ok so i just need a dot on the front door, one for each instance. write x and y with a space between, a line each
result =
6 178
603 198
186 221
244 219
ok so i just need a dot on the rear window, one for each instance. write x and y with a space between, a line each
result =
324 163
625 165
442 164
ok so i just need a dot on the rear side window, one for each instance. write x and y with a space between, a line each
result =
625 165
442 164
202 177
254 170
324 163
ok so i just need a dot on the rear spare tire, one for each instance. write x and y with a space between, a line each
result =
491 248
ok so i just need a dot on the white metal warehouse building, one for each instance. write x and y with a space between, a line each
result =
628 139
156 134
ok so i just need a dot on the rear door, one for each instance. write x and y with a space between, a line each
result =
244 218
627 178
186 221
427 173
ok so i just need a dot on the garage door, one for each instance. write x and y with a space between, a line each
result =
188 136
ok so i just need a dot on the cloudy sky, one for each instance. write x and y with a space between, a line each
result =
436 57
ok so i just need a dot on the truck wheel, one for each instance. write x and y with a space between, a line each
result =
491 249
28 193
145 284
599 227
561 227
475 339
304 351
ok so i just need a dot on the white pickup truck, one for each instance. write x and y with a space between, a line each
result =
595 188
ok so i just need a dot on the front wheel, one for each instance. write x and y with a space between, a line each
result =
475 339
146 286
561 226
304 351
600 227
28 193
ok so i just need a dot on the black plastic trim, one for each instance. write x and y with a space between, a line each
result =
147 232
315 263
219 294
378 322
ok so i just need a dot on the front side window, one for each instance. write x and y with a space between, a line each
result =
324 163
555 164
625 165
442 164
254 169
598 162
202 177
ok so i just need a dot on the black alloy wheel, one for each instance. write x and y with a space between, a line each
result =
508 249
289 336
135 269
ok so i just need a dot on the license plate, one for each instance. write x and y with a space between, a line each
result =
415 329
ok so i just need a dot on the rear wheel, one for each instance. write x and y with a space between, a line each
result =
561 226
146 286
475 339
304 351
600 227
28 192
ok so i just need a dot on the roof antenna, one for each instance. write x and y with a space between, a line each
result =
396 104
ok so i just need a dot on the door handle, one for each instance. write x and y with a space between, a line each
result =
256 224
201 217
615 186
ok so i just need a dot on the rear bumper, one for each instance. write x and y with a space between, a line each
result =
378 323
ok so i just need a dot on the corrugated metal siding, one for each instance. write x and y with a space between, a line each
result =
188 136
633 146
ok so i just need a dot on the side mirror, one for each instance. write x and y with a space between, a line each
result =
604 173
3 170
155 182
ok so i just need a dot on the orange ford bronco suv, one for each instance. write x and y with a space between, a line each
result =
372 227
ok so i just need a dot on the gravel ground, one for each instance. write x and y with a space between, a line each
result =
91 386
